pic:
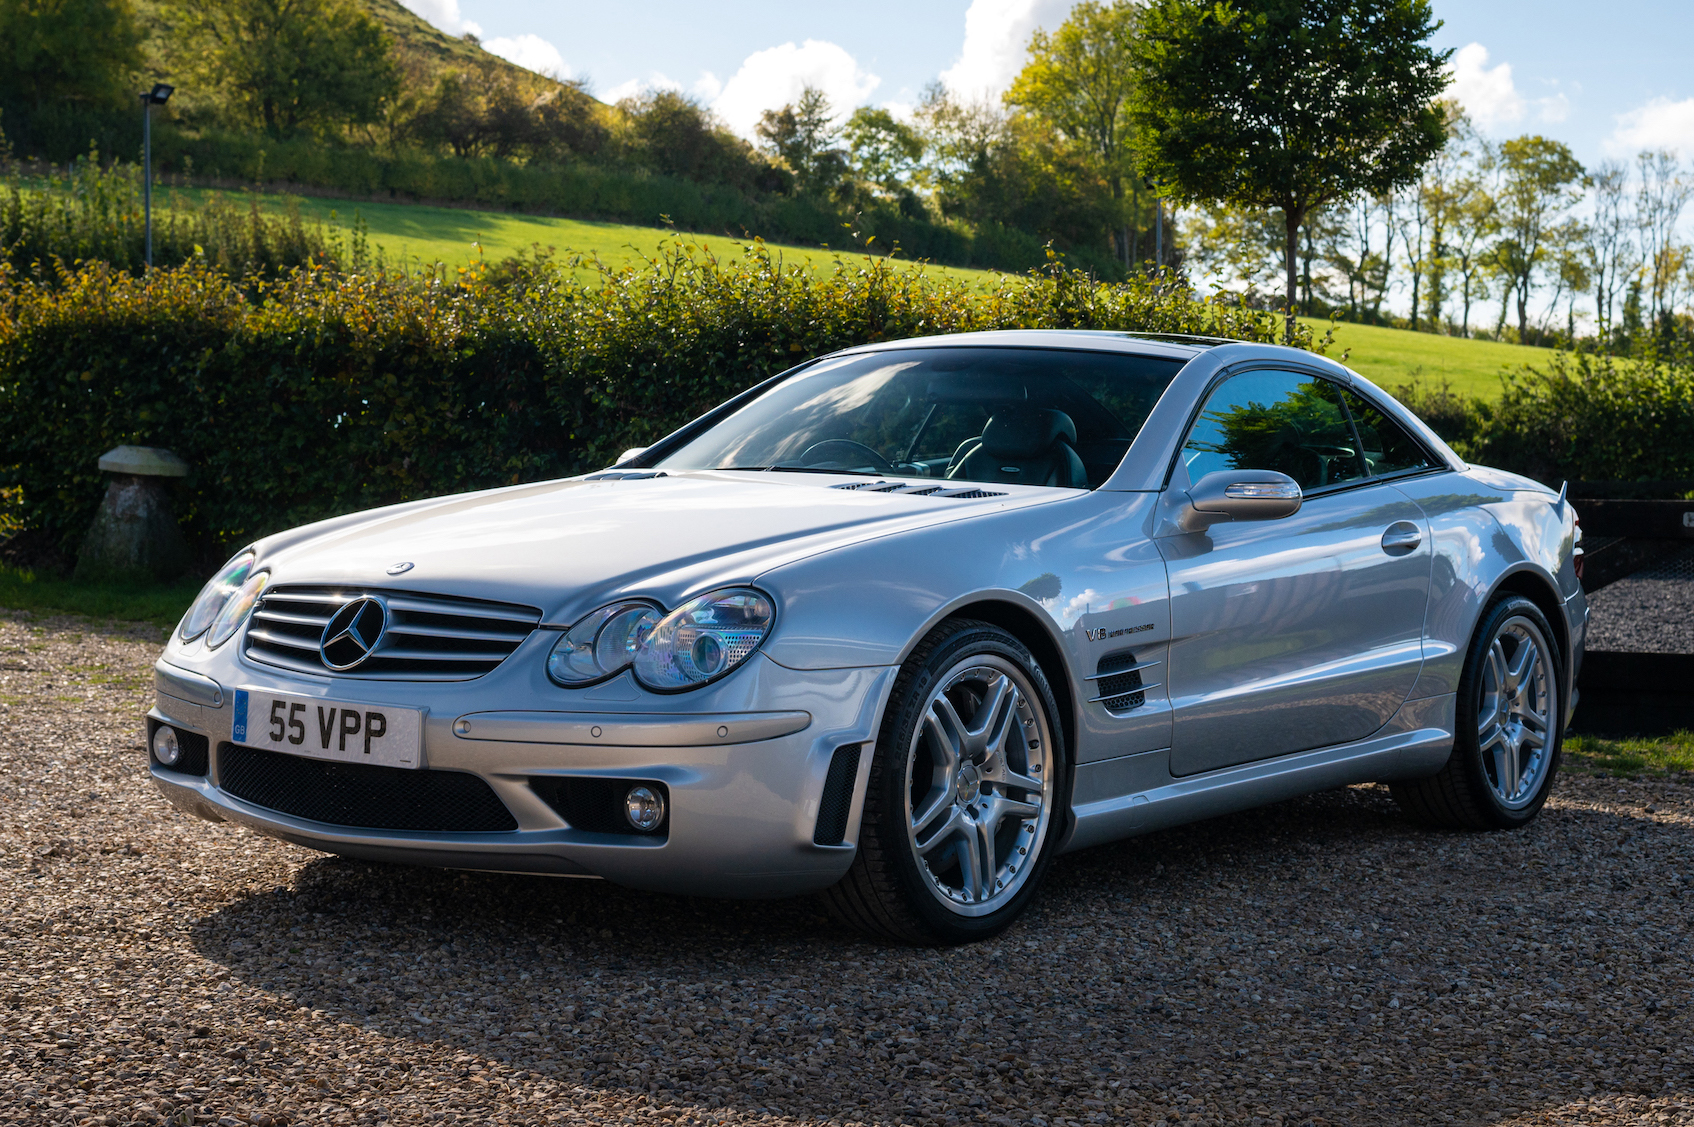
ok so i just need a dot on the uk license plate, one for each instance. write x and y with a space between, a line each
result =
325 729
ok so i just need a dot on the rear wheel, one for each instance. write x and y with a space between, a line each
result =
1510 727
960 812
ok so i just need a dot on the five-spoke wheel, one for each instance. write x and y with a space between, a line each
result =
981 787
1506 748
959 813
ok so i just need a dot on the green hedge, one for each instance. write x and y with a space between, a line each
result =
1583 418
323 393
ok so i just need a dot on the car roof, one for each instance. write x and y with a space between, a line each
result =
1172 345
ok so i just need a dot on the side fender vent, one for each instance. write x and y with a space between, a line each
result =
1118 682
837 801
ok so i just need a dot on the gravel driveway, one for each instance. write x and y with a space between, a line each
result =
1318 961
1651 611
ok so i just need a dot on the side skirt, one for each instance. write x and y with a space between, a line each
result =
1136 794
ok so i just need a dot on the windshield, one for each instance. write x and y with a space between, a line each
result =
1047 417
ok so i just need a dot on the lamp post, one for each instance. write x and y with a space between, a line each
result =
158 96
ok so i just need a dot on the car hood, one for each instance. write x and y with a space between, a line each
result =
569 546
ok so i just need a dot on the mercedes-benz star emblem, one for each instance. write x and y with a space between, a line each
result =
353 632
400 569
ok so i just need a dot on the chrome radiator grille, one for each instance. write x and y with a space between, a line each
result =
426 637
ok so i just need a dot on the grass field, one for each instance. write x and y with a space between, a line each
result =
411 235
1391 357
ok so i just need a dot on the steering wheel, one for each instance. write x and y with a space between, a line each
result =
838 449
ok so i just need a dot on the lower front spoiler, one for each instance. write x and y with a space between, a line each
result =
652 866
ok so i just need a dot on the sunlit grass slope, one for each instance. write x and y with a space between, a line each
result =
411 235
1391 357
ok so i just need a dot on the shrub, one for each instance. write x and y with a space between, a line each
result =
320 393
1594 418
90 213
1601 421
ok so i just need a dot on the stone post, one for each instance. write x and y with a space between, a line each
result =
135 534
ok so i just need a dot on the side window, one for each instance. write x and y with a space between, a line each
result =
1385 444
1275 421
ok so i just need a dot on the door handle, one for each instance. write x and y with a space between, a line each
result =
1402 538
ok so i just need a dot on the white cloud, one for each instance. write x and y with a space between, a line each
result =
1660 124
530 52
996 42
777 75
444 14
706 88
654 81
1488 93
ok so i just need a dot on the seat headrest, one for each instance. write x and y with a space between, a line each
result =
1026 432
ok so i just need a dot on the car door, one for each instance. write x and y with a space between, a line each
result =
1301 632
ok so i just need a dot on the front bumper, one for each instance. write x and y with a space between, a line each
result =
744 803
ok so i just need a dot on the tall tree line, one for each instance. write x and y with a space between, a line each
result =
1511 239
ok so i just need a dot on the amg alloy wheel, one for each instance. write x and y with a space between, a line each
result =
963 792
1510 727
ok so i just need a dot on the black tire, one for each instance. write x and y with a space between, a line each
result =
889 892
1465 794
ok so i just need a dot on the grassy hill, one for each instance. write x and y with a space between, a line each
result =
423 49
1391 357
413 234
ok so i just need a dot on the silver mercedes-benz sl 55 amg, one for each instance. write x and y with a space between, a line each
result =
900 625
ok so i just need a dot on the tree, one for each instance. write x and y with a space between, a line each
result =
674 135
1445 189
1539 182
885 152
1080 78
68 50
1659 202
290 66
804 135
1287 104
1610 251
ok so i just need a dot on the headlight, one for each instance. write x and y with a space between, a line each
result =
697 642
236 610
600 645
214 595
703 639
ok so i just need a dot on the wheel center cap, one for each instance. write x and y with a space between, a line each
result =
970 783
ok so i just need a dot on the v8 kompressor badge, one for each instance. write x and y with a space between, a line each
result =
1102 634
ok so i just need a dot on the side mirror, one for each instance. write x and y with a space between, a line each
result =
632 452
1231 495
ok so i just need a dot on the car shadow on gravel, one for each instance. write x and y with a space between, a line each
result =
1319 960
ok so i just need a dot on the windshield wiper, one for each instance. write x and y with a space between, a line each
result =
799 469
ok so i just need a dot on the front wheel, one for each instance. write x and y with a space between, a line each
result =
961 810
1510 727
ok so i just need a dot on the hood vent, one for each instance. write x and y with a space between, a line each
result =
970 494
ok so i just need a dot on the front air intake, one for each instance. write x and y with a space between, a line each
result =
362 795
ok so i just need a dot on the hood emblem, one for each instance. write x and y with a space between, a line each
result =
353 632
400 569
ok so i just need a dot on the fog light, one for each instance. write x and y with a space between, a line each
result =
166 749
644 807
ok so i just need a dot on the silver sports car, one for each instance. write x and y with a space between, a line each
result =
900 624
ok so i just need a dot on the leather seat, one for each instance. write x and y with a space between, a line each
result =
1025 446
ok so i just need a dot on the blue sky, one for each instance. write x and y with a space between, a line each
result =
1608 80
